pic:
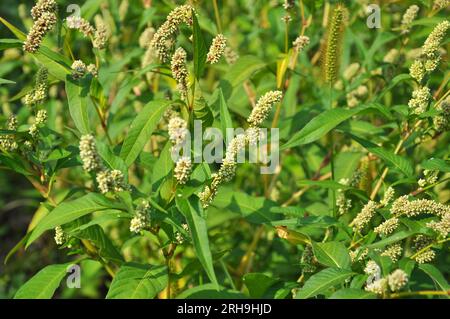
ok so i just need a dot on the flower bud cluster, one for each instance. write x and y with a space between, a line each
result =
44 16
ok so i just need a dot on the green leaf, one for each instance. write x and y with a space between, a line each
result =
256 210
202 111
16 248
321 125
10 43
193 212
19 34
346 164
105 247
352 293
77 95
389 157
163 165
104 217
44 284
141 130
71 210
243 69
136 281
392 239
200 50
209 291
97 94
380 40
15 163
5 81
111 160
332 254
257 284
319 283
392 83
436 276
436 164
225 117
56 63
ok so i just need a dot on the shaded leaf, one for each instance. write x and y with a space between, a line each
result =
322 281
389 157
352 293
436 275
200 50
77 94
209 291
332 254
137 281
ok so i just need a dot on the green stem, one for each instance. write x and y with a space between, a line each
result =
286 38
420 293
216 13
227 274
428 247
101 116
332 154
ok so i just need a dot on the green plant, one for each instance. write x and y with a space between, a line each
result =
353 207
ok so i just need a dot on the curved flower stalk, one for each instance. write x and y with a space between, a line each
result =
217 49
237 144
142 218
98 36
7 142
163 39
180 72
107 180
44 16
424 65
408 18
40 92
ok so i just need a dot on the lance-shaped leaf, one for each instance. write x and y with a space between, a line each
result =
44 284
321 125
77 95
71 210
192 210
321 282
137 281
141 129
389 157
332 254
200 49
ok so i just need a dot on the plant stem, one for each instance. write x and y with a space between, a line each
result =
227 274
332 154
101 115
421 190
428 247
246 259
286 38
396 151
421 293
299 193
216 13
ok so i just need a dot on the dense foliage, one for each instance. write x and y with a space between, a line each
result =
97 99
